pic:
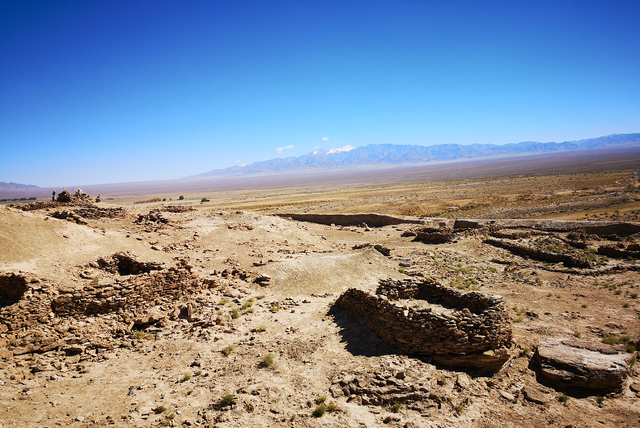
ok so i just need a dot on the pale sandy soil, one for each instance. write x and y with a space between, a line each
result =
313 343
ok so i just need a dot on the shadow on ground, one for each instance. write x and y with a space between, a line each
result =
359 339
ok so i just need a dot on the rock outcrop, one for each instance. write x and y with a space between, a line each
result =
573 363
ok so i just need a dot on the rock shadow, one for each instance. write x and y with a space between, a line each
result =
359 339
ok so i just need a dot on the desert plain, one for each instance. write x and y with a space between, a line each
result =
218 308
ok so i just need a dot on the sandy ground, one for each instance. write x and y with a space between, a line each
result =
179 373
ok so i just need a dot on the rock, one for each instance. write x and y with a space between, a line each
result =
582 364
635 387
486 362
152 317
535 396
263 280
507 396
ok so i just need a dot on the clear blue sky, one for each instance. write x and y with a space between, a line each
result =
113 91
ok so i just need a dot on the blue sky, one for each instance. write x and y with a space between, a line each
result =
114 91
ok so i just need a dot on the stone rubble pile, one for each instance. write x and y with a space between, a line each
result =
37 316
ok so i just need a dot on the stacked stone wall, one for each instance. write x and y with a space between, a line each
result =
144 290
478 323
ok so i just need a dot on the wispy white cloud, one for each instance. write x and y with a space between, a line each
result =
346 148
325 138
280 149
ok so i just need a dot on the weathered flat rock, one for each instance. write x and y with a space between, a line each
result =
582 364
535 396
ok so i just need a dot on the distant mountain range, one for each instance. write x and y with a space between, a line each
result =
392 154
5 187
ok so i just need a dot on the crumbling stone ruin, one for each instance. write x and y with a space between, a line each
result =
37 316
459 329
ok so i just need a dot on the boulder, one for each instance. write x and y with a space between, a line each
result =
573 363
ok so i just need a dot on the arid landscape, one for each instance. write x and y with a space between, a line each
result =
224 308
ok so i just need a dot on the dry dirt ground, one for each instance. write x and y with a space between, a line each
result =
267 355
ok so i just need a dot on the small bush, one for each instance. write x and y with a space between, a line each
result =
397 407
95 281
563 398
267 361
332 407
235 314
260 297
274 308
262 328
247 305
321 399
186 377
227 400
177 296
204 200
577 334
160 409
198 372
228 350
320 410
634 295
460 408
600 400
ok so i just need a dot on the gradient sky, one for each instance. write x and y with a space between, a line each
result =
114 91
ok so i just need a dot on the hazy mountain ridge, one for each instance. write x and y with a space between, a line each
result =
393 154
16 186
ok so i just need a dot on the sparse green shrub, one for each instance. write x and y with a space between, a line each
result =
584 305
274 308
95 281
260 297
204 200
460 408
634 295
518 319
186 377
235 314
267 361
320 410
626 305
160 409
332 407
563 398
262 328
228 350
198 372
177 296
321 399
397 407
227 400
577 334
600 400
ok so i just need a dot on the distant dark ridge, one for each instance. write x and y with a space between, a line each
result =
392 154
